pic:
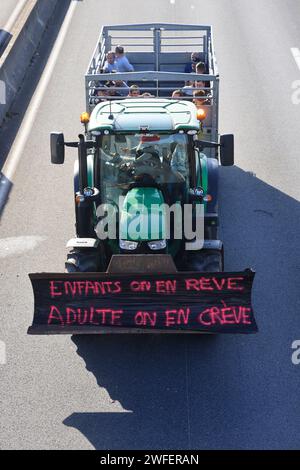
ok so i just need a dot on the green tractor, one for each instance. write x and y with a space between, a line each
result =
138 159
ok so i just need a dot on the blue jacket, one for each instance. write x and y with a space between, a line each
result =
123 64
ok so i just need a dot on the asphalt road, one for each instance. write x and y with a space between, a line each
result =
6 9
165 392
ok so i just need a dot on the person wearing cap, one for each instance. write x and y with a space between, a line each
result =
122 63
191 66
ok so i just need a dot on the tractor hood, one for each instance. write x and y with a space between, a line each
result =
132 115
143 215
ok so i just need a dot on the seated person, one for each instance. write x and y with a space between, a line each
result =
199 84
111 88
200 98
110 65
149 168
122 63
202 85
99 93
170 179
147 95
191 66
177 94
134 92
201 70
188 88
122 86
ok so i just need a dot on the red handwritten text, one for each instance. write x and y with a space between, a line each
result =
145 319
177 317
225 316
79 288
212 284
84 316
161 287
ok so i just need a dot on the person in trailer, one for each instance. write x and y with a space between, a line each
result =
191 66
122 63
110 65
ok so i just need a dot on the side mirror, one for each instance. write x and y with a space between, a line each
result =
57 144
227 150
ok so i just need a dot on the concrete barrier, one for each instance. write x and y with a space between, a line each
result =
26 34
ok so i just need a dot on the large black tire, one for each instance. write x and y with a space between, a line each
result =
83 261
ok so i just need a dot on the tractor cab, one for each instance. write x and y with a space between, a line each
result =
134 160
143 173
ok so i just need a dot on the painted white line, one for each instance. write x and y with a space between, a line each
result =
2 353
17 149
12 19
296 54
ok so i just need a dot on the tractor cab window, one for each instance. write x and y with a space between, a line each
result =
159 160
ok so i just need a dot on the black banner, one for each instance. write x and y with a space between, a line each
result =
105 303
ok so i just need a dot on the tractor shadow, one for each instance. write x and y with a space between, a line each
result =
147 376
215 392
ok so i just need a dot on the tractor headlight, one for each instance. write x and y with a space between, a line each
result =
128 245
157 245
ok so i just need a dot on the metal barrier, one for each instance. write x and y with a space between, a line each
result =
156 46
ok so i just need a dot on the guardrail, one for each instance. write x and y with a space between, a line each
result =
26 36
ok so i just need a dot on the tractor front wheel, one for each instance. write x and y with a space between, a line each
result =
83 261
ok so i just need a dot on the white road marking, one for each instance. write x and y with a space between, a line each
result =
2 353
18 245
17 149
12 19
2 89
296 54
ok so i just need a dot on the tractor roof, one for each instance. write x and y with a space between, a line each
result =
136 114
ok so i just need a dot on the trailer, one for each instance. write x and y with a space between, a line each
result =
159 54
